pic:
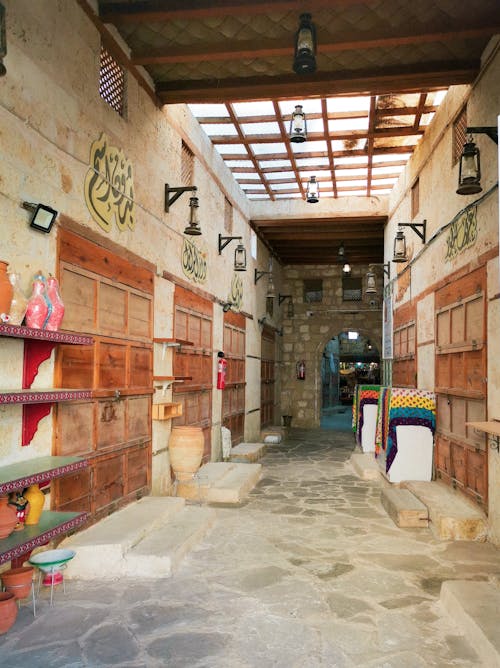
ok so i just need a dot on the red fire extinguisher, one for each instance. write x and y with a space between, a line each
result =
301 370
221 371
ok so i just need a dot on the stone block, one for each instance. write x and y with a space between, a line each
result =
404 508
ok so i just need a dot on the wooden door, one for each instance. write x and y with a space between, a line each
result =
111 298
193 323
267 377
460 455
404 366
233 396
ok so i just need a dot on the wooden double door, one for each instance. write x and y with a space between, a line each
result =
109 296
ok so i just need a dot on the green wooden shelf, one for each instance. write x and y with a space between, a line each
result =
34 471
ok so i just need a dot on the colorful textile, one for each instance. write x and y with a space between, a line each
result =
408 407
367 394
382 420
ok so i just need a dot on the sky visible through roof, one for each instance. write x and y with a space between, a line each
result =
356 145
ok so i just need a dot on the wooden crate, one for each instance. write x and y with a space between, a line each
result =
166 411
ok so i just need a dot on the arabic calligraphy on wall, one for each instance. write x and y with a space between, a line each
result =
462 234
109 186
236 295
194 262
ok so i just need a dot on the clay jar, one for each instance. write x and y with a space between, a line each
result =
36 499
6 291
8 517
18 581
8 611
186 451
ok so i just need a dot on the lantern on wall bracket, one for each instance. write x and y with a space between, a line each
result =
240 254
3 41
173 194
298 126
469 173
400 253
290 310
371 281
346 269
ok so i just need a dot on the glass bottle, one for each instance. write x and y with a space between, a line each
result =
19 301
57 312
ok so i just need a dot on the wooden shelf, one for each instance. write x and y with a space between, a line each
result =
34 471
42 396
171 343
21 332
166 411
51 525
491 428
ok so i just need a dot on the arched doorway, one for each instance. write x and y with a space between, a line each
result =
350 358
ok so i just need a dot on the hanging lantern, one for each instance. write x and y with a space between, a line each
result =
371 285
240 258
290 310
298 126
400 247
312 194
193 229
346 269
469 175
304 61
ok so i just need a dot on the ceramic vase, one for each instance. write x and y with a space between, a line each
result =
8 611
57 313
40 277
186 451
19 301
8 517
37 310
18 581
5 292
36 499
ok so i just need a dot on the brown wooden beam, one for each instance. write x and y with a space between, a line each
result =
405 79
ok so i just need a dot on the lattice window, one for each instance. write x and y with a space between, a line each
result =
459 135
228 216
112 82
313 290
187 165
352 289
415 198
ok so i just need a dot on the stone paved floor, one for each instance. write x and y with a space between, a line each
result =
309 572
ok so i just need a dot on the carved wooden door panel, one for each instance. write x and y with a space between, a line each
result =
404 366
233 396
460 455
193 323
267 378
111 298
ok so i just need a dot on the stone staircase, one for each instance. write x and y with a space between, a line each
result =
246 453
146 539
221 483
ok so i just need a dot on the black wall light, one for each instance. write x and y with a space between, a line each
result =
43 216
400 254
469 174
290 309
3 41
304 61
173 194
240 254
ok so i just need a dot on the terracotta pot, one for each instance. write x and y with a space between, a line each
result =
8 611
186 451
8 517
36 499
6 290
18 581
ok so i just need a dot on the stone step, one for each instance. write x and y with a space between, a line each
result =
365 465
404 508
102 550
247 452
452 516
273 435
221 482
475 607
162 550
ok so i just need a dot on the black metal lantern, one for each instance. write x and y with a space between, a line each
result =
298 126
312 194
193 229
469 175
400 247
304 61
371 284
3 41
240 258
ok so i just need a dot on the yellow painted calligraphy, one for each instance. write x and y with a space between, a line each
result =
194 262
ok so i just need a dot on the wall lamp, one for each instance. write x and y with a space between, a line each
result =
341 251
312 193
193 228
371 283
226 306
262 321
298 126
3 41
346 269
290 310
469 173
43 216
259 274
400 253
240 254
304 61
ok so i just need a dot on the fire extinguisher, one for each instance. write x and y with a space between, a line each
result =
301 370
221 371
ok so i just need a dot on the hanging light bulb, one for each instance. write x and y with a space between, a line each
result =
469 175
298 126
193 228
400 247
346 269
312 194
